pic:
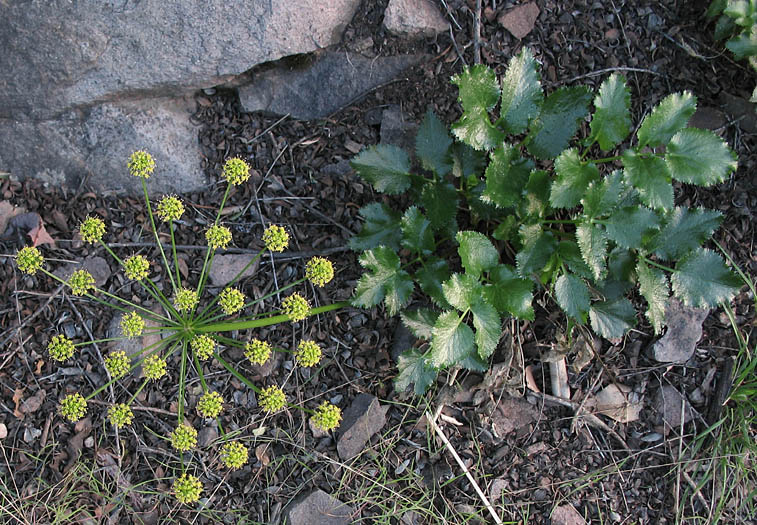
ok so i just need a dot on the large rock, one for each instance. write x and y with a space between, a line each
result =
93 80
414 18
317 89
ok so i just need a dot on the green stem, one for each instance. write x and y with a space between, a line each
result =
182 381
257 323
656 265
232 282
561 221
158 344
173 251
157 239
251 303
208 253
134 396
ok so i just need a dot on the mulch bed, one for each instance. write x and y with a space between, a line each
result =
550 462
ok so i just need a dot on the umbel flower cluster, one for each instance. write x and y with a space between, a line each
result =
191 323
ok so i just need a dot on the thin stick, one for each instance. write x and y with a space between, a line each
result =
31 317
477 34
459 461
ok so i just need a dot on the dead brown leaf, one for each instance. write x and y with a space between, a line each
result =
33 403
40 236
619 403
262 455
17 396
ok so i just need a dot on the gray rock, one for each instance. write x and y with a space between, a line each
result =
319 508
70 54
413 18
318 89
96 144
93 81
508 414
361 420
740 109
226 267
397 129
673 409
684 330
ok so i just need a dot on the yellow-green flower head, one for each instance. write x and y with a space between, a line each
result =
132 325
210 404
203 346
184 438
296 307
170 208
272 399
257 351
120 415
308 353
234 455
92 230
73 407
236 171
141 164
231 300
185 299
60 348
117 364
154 367
218 236
319 271
187 488
327 416
81 282
29 260
136 267
275 238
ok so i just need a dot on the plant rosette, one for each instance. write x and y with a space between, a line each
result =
591 220
192 324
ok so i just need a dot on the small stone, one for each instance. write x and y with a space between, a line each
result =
206 436
567 515
226 267
673 409
30 434
509 414
3 431
319 508
520 20
612 34
364 417
684 330
707 118
414 18
97 266
739 109
397 129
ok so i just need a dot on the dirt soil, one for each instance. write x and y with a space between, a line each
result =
621 475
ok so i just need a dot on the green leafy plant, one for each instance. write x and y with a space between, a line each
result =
514 203
737 24
190 323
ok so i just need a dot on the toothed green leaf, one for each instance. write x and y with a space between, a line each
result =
535 201
611 123
506 175
602 197
416 232
698 156
478 88
684 230
629 226
385 166
462 290
653 285
452 340
570 255
383 280
651 178
432 145
439 199
477 253
509 293
702 279
414 369
666 119
573 177
521 92
475 129
488 327
430 277
558 121
743 45
381 227
592 241
536 251
420 322
572 295
612 319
